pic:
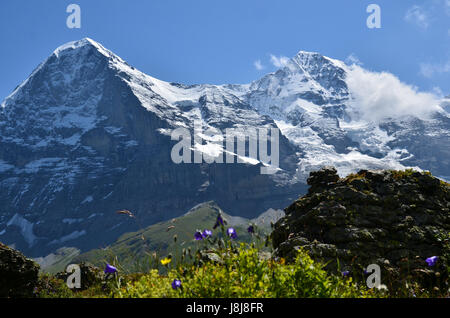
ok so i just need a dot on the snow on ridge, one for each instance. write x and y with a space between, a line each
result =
72 221
63 48
26 228
73 45
36 165
319 154
72 236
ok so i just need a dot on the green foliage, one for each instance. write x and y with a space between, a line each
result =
244 273
218 266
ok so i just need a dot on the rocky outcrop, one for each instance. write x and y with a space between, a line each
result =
396 219
18 274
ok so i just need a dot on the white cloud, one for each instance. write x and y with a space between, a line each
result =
279 61
353 59
258 65
429 70
417 15
438 92
377 96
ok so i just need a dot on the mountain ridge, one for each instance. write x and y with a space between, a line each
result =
87 134
133 249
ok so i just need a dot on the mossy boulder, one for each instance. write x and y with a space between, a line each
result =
18 274
396 219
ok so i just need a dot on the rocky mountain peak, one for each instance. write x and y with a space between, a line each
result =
87 134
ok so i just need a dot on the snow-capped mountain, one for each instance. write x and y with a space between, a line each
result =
87 134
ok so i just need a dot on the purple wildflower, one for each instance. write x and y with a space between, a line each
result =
219 221
232 233
251 229
206 233
110 269
176 284
345 273
431 261
198 236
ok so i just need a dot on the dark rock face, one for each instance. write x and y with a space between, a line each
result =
18 274
86 134
396 219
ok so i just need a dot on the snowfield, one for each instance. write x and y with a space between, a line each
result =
71 131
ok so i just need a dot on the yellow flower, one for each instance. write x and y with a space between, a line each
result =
282 261
166 261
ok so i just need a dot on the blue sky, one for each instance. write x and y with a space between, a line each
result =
211 41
